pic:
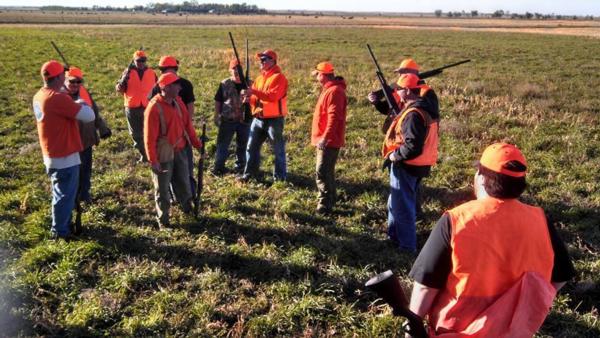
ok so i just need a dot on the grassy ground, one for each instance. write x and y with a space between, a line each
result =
260 262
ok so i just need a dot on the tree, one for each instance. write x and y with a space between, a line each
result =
474 13
438 13
498 14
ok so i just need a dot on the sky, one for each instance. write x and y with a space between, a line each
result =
571 7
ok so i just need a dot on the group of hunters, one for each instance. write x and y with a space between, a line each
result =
490 267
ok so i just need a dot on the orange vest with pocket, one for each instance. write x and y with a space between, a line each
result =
138 89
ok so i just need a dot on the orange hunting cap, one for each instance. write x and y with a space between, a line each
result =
496 156
167 79
268 53
409 81
408 66
324 68
139 54
74 72
51 69
233 63
168 61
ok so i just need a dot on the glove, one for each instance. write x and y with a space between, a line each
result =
105 133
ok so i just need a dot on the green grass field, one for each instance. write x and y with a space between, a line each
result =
260 262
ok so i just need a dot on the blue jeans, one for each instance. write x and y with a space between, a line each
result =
85 175
226 132
259 131
64 190
402 214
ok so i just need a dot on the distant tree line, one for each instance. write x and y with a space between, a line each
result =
186 6
502 14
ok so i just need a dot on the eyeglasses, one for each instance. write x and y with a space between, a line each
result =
140 60
75 81
265 59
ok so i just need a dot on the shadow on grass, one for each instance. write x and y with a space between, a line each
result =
568 326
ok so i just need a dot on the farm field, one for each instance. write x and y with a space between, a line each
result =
578 27
259 262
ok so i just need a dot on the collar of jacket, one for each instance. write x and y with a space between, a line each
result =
272 70
338 81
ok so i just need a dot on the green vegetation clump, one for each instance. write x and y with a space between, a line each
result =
260 262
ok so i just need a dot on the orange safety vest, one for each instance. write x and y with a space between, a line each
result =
268 109
394 138
137 91
85 95
494 243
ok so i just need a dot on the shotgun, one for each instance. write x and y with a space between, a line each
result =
64 60
247 112
394 110
387 286
430 73
240 72
440 70
200 174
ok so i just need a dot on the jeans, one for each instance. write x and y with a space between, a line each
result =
402 208
260 130
85 175
64 190
135 123
325 169
176 173
226 132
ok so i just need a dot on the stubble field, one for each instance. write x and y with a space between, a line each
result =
259 262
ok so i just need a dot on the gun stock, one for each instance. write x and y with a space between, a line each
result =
200 174
387 286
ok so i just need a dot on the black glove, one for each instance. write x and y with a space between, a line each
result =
105 133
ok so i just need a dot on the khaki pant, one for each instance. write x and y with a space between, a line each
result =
135 123
176 173
326 176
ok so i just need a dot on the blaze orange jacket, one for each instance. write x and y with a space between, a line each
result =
269 94
329 117
177 126
494 243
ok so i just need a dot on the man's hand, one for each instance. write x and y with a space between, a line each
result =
247 92
394 157
321 145
156 168
372 97
217 120
82 102
118 87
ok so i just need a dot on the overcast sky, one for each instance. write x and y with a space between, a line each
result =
571 7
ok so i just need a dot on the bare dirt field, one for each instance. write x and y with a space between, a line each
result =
561 27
